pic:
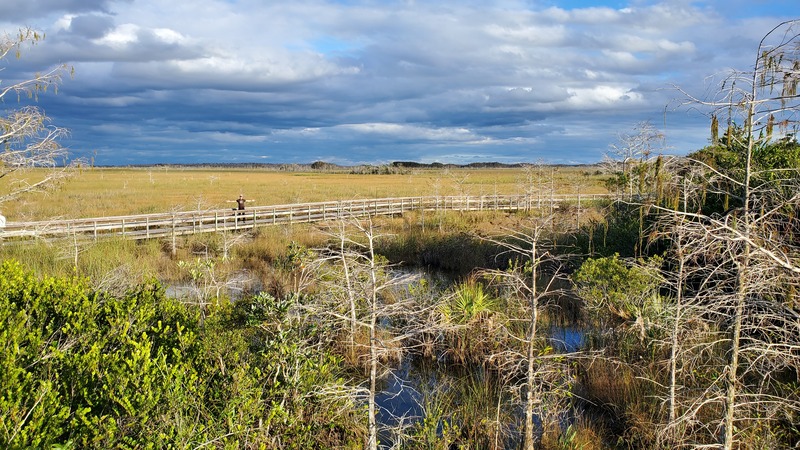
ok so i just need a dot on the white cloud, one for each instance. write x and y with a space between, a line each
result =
376 74
604 16
539 35
634 43
603 96
411 132
621 58
169 36
121 37
232 138
278 67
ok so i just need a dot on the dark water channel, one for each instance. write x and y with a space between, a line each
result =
403 393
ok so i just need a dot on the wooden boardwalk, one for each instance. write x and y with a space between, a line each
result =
147 226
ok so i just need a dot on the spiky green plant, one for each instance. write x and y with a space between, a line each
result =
468 303
469 320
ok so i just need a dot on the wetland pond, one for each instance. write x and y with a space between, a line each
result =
431 389
436 389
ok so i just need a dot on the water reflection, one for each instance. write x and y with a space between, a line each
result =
567 339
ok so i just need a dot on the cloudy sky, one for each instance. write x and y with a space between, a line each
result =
374 81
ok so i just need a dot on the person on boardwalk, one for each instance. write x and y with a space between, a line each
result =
240 202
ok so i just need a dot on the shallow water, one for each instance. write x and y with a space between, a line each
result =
567 339
403 394
240 285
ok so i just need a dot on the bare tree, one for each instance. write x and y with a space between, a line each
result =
683 258
538 184
545 385
750 255
629 157
26 136
209 282
358 298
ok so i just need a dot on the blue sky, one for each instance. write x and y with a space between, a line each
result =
350 82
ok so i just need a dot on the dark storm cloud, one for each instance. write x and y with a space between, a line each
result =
24 11
90 26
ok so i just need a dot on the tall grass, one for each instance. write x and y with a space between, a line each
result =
463 408
96 192
86 258
116 264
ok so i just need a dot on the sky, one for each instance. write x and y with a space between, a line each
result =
373 81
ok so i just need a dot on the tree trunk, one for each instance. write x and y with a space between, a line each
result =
673 358
373 346
373 376
531 378
349 286
741 289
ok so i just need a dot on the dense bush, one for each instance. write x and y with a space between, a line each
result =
625 291
80 369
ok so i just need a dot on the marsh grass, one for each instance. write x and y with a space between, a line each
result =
87 258
610 385
581 434
435 430
98 192
483 411
115 263
437 240
356 356
618 401
258 253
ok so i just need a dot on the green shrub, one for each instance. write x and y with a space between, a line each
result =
88 370
627 292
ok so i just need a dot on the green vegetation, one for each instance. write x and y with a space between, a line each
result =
82 369
612 288
682 294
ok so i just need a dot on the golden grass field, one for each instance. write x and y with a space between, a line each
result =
97 192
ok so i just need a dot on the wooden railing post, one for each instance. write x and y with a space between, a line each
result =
422 213
174 243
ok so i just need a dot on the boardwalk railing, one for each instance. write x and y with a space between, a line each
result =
145 226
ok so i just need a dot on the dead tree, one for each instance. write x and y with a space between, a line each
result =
751 257
358 299
27 139
546 383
